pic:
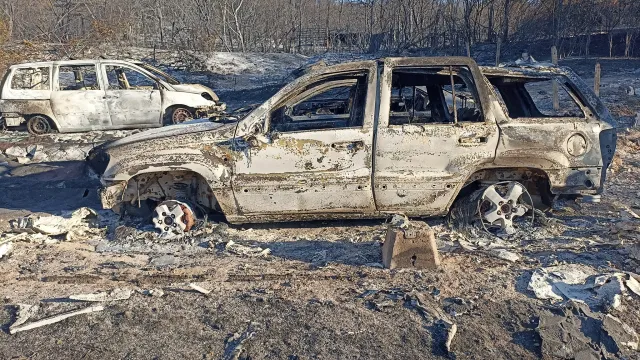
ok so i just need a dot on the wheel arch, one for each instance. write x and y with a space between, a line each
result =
537 182
197 184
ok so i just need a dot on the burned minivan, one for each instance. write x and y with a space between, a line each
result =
83 95
373 138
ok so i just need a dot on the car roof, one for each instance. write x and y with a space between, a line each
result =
532 70
72 62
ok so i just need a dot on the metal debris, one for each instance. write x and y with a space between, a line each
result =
55 319
400 221
579 333
621 333
578 283
238 249
25 312
114 295
233 346
73 224
199 289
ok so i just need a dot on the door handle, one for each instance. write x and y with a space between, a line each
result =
348 145
470 140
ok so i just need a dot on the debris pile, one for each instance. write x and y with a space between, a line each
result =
578 333
76 225
577 283
430 311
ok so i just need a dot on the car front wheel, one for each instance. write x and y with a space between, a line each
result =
180 115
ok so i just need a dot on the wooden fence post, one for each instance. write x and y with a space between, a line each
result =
554 60
596 80
498 44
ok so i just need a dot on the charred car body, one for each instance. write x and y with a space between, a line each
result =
365 139
82 95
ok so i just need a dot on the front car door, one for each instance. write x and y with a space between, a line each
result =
431 135
133 98
315 153
78 99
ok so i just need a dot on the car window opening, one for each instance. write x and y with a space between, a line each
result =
31 79
78 77
333 103
533 97
123 78
433 96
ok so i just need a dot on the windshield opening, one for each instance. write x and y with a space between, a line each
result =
161 74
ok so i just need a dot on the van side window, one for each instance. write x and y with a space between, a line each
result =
123 78
425 96
78 77
533 97
31 79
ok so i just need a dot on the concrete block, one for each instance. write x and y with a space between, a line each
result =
411 248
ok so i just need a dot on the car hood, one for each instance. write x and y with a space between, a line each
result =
171 131
196 89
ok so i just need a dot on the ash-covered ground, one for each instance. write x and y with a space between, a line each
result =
563 288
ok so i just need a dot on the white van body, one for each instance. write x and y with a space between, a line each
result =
84 95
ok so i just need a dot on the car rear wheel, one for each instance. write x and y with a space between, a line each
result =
181 115
38 125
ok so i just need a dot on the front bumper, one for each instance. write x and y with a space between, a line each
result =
211 111
111 195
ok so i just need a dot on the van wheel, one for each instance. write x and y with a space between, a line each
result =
38 125
180 115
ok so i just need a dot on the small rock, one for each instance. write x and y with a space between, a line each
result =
154 292
505 255
5 249
23 160
16 151
164 260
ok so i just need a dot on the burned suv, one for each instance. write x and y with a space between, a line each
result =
366 139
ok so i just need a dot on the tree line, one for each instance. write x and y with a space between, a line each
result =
312 26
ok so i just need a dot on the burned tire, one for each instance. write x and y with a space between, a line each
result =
38 125
180 115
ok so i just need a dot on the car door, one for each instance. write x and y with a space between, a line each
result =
78 100
427 144
315 153
133 98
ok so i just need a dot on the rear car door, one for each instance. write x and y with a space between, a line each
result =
133 98
431 135
317 158
78 100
